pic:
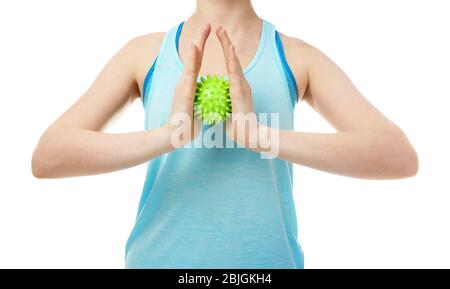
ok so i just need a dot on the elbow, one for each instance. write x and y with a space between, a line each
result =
44 161
410 163
402 161
414 163
39 167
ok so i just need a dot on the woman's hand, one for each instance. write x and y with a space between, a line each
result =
183 125
242 126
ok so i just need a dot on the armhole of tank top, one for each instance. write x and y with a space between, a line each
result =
149 76
147 80
290 79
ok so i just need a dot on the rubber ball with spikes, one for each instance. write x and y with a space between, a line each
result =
212 103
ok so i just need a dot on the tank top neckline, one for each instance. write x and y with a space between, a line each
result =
253 61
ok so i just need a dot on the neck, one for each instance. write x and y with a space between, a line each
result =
233 15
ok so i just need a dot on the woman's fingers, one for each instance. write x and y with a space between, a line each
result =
232 61
182 105
202 37
195 55
234 68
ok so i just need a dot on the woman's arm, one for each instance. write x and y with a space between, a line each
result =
70 151
74 144
366 144
373 153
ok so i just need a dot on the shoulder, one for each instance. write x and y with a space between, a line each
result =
142 52
293 43
297 53
302 57
147 44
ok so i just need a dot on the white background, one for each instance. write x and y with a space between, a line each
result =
396 52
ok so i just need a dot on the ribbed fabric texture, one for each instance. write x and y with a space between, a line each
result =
217 207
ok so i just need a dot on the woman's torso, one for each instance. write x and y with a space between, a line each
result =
218 207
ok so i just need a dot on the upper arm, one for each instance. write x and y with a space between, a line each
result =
329 91
116 84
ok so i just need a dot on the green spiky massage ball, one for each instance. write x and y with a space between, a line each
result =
212 101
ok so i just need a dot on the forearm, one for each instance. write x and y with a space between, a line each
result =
371 154
67 152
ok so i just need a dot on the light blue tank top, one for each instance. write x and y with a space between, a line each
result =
218 207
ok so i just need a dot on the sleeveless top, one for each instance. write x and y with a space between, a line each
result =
218 207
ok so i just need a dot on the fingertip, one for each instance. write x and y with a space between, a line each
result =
222 33
218 30
207 28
